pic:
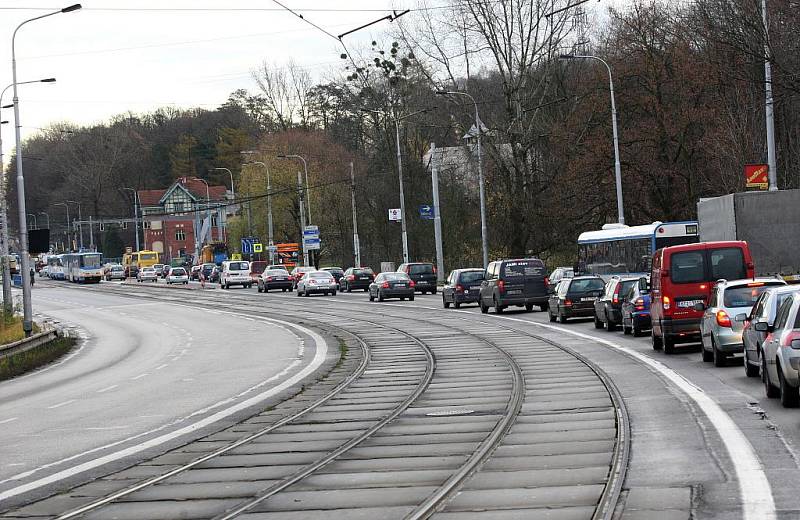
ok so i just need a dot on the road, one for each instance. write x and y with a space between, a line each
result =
705 442
145 370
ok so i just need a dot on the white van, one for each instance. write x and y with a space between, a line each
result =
235 272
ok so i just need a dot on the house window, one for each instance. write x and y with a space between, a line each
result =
214 220
180 235
124 224
145 224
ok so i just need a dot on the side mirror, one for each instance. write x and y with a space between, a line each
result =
740 317
761 326
699 306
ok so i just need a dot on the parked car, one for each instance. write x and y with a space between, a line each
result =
356 278
608 307
235 272
557 275
636 308
780 355
298 273
256 268
206 270
321 282
462 286
147 274
682 276
337 273
574 298
115 272
391 285
764 310
423 274
215 274
520 282
194 273
720 333
177 275
159 268
274 279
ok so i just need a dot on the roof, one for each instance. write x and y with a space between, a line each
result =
193 185
617 232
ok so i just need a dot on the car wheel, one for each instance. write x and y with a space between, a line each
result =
484 308
380 296
529 307
708 356
498 309
637 331
402 298
669 345
769 388
306 293
790 395
411 298
610 325
658 341
750 370
298 293
562 318
433 291
550 315
260 289
457 305
349 289
371 298
333 293
720 359
597 323
445 303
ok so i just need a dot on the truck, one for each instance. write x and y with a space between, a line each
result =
769 221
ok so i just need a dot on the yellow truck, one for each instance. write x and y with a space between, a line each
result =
136 260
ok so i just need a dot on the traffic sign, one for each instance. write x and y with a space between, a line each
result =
258 248
247 245
426 212
311 231
311 243
395 215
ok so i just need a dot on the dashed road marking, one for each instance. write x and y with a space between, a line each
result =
10 419
106 389
140 376
59 405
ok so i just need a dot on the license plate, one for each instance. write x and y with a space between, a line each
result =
401 285
364 278
422 282
689 303
474 289
515 291
587 299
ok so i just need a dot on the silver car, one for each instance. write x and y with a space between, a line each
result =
720 333
780 356
147 274
316 282
764 310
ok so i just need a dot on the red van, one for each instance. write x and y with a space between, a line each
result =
684 275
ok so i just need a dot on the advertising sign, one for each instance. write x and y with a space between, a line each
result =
756 176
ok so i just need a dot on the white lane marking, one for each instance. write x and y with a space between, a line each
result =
106 389
319 358
10 419
140 376
165 365
59 405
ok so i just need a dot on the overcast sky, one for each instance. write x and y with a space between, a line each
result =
124 55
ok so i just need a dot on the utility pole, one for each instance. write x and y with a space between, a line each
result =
356 244
437 219
302 218
770 115
403 215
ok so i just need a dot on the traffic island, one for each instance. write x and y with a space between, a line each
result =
24 355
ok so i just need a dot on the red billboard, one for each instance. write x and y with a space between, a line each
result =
756 176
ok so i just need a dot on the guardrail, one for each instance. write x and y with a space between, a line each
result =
26 344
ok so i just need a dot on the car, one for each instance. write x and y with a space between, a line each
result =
159 268
780 354
557 275
177 275
235 272
521 282
462 286
337 272
115 272
206 270
720 333
274 279
574 298
277 266
298 272
356 278
764 310
391 285
636 308
608 307
423 274
194 273
215 273
147 274
256 268
682 276
321 282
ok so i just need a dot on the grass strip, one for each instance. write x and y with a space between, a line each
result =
18 364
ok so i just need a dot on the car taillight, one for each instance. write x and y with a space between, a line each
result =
665 302
350 277
787 341
546 280
434 269
459 288
269 278
615 298
639 304
723 320
501 286
568 303
312 281
411 283
385 285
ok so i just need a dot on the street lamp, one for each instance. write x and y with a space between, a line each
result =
481 189
617 170
80 222
269 207
27 319
135 215
403 216
302 208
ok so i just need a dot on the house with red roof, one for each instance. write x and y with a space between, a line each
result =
173 218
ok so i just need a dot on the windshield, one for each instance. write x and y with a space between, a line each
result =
395 277
744 296
471 276
420 269
325 275
147 256
178 271
363 271
92 261
117 268
275 272
586 285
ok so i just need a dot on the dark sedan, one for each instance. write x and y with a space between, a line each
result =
462 286
337 272
356 278
274 279
574 298
391 285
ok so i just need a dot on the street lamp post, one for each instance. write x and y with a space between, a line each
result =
769 108
135 215
80 223
48 217
308 202
481 185
617 169
27 319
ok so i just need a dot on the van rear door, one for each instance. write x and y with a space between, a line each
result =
524 278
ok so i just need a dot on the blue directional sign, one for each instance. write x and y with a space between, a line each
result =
247 245
426 212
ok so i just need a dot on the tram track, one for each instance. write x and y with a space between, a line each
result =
428 499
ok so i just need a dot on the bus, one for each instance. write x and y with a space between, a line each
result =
617 249
55 267
134 261
83 267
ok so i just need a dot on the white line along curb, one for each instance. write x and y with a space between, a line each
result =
319 357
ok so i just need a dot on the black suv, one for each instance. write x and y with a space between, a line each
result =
424 276
574 298
462 286
608 308
519 282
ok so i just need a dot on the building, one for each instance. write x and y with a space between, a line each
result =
174 217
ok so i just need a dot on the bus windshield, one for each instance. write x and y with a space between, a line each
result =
92 261
144 257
